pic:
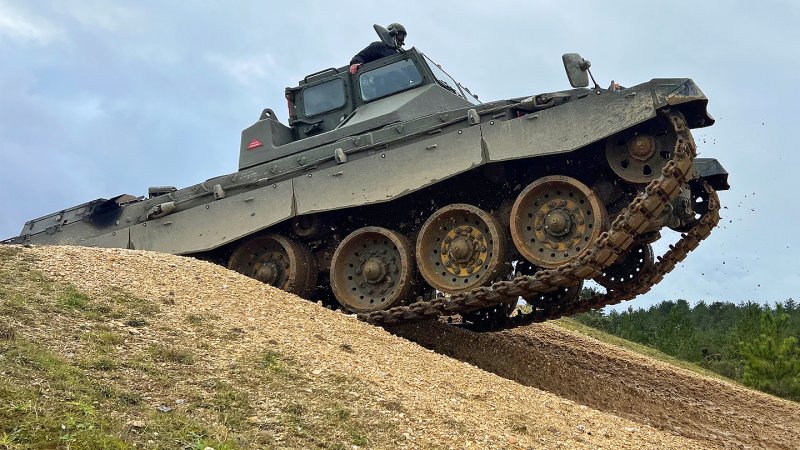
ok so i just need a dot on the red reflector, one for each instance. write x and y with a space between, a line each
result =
255 143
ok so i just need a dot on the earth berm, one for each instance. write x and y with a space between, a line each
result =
147 350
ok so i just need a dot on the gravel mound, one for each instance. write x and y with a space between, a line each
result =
424 399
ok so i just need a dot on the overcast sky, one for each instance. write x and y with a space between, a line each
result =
101 98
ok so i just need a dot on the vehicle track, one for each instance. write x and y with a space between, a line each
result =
624 231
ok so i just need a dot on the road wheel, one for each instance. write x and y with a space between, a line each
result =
372 269
278 261
555 219
461 247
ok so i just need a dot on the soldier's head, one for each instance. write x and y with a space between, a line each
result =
398 32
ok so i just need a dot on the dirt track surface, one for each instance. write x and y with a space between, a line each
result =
608 378
445 402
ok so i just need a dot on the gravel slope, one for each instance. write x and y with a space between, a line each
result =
445 403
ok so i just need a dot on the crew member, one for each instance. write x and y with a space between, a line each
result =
378 50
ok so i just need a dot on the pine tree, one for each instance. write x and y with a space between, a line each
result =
772 359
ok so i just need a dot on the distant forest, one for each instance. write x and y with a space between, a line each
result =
752 343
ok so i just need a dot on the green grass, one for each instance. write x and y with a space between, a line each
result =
171 354
63 416
72 299
271 362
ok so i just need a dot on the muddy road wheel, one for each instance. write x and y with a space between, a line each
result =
555 219
461 247
372 269
278 261
637 156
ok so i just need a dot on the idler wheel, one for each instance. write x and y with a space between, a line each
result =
278 261
372 269
555 219
628 268
460 247
638 156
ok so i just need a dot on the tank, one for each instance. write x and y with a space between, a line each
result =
395 194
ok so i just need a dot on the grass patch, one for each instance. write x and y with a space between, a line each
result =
635 347
195 319
135 306
63 417
7 333
171 354
13 305
50 403
102 364
72 299
106 393
273 363
179 430
103 338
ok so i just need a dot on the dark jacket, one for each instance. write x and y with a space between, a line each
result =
374 51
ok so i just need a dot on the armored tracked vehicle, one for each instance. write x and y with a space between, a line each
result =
396 194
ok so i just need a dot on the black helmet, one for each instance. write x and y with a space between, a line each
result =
398 32
395 28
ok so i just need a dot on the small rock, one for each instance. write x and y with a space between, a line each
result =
164 408
180 401
134 332
581 428
512 440
137 424
209 448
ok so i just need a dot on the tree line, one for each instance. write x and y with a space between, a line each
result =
752 343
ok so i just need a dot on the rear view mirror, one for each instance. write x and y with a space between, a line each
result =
577 69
